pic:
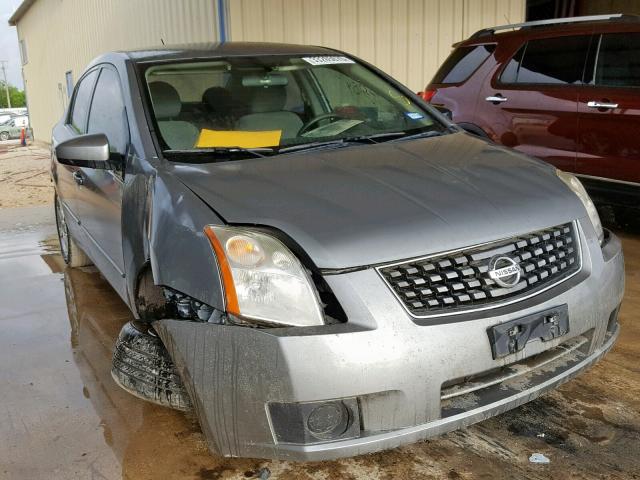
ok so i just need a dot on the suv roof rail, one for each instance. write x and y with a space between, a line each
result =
555 21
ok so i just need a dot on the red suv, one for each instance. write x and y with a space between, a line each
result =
565 90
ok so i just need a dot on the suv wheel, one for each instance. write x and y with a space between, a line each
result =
4 136
71 253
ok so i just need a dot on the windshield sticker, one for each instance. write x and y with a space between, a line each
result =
414 115
240 139
327 60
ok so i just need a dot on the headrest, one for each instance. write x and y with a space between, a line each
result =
268 99
217 98
166 101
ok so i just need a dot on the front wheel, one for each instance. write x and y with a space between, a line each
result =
4 136
71 253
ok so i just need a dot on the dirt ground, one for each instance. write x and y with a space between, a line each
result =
24 175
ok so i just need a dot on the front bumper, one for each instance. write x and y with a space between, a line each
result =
411 381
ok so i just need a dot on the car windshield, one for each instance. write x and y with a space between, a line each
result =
272 104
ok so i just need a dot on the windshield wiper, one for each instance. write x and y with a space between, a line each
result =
393 136
312 145
222 152
428 133
341 142
374 138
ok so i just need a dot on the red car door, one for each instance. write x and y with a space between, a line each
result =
609 112
531 104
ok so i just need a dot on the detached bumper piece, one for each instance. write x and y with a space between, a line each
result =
142 366
503 383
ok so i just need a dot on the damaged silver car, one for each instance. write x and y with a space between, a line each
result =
320 264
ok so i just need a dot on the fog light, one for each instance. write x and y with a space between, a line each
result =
329 420
315 422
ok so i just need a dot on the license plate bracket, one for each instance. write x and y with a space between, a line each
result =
512 336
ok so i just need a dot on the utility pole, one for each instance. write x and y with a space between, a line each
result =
6 85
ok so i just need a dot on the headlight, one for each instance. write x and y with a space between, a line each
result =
263 280
575 185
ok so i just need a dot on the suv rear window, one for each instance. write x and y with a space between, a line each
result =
462 62
619 60
555 61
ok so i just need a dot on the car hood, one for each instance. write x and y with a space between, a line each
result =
363 205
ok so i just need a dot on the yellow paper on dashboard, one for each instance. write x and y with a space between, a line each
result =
238 138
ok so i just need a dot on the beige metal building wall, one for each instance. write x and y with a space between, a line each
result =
408 39
65 35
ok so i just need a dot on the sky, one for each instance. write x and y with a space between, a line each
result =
9 43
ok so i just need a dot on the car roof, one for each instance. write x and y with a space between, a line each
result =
222 49
626 23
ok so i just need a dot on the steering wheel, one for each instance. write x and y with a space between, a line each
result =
323 116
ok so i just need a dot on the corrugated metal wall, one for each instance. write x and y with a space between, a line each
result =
408 39
63 35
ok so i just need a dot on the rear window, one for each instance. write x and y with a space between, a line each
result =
619 60
462 63
548 61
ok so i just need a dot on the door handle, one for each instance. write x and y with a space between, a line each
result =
496 98
78 177
594 104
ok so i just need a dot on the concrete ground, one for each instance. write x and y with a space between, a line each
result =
63 417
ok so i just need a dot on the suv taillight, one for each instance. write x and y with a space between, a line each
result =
427 95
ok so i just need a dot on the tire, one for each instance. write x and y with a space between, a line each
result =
142 366
71 253
4 136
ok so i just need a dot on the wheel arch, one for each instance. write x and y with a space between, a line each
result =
162 225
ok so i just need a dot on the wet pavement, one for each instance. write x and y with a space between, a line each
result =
63 417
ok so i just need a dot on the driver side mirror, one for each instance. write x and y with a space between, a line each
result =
88 151
448 114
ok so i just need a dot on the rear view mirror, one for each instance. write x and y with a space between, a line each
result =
88 151
269 80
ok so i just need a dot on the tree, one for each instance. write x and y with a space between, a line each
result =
15 94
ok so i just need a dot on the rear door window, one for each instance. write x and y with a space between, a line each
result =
548 61
81 102
618 60
462 62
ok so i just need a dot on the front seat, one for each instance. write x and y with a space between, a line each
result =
219 107
267 113
178 134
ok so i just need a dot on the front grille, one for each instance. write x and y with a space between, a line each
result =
459 281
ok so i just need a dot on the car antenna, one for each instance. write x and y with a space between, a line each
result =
162 41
